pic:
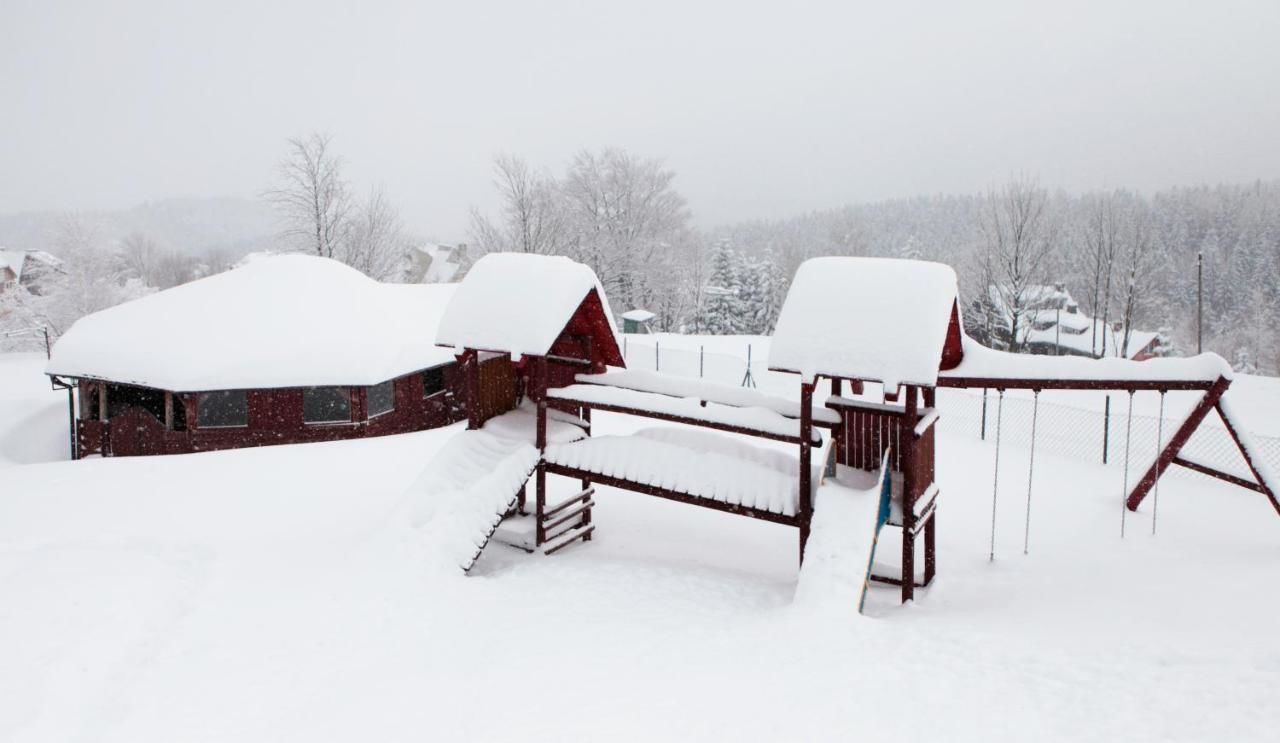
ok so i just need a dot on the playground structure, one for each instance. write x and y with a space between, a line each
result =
858 322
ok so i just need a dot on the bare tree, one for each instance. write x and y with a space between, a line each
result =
628 221
1139 265
532 214
375 242
313 197
1019 238
1100 236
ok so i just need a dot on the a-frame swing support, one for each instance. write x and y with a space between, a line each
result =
1212 400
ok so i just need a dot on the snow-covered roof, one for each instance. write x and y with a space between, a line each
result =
518 303
444 264
16 260
879 319
638 315
278 321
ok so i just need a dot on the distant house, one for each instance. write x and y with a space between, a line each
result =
434 264
1053 325
284 349
27 268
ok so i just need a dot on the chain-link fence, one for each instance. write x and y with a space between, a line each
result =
1088 434
1093 435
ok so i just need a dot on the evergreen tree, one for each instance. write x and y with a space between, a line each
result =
722 308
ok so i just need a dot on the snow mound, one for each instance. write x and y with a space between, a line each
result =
278 321
865 318
518 303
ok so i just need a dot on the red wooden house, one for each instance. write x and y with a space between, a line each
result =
286 349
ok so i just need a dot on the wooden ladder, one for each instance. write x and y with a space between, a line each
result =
567 521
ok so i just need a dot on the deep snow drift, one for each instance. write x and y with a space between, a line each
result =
283 593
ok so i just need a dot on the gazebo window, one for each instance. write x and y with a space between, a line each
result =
433 380
222 409
382 398
326 405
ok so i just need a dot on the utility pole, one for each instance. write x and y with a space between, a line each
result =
1200 302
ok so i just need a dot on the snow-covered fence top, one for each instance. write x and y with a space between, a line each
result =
982 364
281 321
518 303
865 318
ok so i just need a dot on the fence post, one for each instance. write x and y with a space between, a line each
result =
1106 428
657 364
702 353
624 348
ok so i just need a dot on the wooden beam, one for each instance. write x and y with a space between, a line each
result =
1263 486
1219 474
805 507
569 405
1179 439
673 495
1137 385
907 441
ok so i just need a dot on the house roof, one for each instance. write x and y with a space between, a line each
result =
16 260
879 319
278 321
519 303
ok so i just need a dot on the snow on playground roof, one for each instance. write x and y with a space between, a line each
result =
518 303
278 321
981 362
865 318
638 315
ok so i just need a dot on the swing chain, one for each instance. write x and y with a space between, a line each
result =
995 478
1031 469
1155 496
1124 494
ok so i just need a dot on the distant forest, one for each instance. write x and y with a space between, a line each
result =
1127 258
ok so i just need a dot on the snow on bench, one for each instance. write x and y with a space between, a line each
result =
522 424
702 390
466 490
701 464
757 421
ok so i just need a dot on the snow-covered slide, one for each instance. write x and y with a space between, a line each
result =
849 510
466 490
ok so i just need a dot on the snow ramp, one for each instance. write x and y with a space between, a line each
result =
849 510
466 490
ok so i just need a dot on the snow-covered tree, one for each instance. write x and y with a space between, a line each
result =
722 311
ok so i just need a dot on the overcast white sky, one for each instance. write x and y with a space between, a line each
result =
763 111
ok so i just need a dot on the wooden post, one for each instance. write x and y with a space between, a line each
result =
805 509
907 440
168 411
1176 442
930 548
469 363
586 416
102 401
540 504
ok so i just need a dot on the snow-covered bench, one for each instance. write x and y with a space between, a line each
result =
689 465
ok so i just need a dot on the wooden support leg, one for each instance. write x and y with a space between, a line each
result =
930 549
540 504
1179 438
908 566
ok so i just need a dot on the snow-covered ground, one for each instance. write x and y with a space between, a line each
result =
283 594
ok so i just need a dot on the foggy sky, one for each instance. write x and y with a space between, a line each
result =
763 111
